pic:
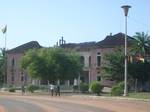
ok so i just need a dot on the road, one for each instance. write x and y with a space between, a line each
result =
43 103
18 106
29 104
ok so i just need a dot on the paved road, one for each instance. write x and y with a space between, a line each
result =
18 106
73 107
43 103
29 104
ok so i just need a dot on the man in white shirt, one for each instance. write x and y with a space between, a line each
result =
52 89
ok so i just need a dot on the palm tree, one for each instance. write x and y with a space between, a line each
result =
141 44
140 48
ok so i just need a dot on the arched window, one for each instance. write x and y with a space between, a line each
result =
82 59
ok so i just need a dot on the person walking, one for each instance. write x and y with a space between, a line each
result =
75 85
23 89
57 91
52 89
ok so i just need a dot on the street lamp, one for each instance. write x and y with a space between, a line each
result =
126 9
4 30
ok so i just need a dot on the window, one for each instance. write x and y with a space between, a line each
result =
98 59
98 53
89 61
98 78
13 62
82 60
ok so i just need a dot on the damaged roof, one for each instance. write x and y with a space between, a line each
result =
25 47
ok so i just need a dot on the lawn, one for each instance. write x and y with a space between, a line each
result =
140 95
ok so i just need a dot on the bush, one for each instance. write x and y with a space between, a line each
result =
32 88
84 87
96 87
12 89
117 90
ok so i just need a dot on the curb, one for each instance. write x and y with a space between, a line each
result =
111 98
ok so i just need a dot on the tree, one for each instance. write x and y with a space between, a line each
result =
51 64
141 44
139 71
2 65
114 66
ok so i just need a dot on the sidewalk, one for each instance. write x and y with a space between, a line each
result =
110 97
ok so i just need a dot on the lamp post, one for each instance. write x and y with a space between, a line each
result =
126 9
4 30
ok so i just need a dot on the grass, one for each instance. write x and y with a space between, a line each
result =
140 95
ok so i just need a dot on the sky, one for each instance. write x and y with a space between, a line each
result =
46 21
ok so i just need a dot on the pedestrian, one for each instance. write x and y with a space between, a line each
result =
52 89
23 89
75 85
57 91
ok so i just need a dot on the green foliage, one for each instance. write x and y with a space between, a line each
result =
114 66
117 90
2 65
34 63
141 43
51 64
139 71
32 88
96 87
12 89
84 87
140 47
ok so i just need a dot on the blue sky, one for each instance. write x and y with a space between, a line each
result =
46 21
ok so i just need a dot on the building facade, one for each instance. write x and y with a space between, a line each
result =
15 75
91 53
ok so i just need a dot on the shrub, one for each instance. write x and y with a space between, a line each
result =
96 87
12 89
117 90
32 88
84 87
